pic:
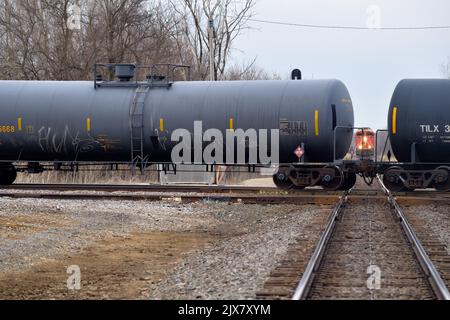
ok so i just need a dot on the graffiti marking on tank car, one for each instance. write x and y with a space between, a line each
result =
50 141
293 128
108 144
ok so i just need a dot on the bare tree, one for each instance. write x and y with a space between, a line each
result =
248 71
230 18
37 34
18 28
36 41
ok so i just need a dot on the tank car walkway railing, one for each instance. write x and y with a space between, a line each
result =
160 75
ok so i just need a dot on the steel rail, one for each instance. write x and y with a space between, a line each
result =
185 188
182 188
304 286
434 278
198 188
181 198
193 188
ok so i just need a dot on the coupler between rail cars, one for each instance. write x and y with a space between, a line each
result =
407 178
8 174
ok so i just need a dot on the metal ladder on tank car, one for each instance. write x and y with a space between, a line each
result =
137 128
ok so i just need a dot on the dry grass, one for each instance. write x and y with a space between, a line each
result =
94 175
104 175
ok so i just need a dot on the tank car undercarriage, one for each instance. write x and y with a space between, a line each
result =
339 175
397 178
406 177
331 177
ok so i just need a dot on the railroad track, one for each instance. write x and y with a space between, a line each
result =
367 250
140 188
352 241
181 198
214 190
195 193
172 188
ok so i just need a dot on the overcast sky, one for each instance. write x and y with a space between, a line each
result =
369 62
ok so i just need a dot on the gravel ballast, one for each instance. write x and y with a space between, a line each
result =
237 268
243 244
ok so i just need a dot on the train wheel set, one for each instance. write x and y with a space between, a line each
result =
399 178
331 178
132 121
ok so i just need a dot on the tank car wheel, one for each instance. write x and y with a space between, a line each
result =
349 182
445 184
392 181
282 181
8 175
333 183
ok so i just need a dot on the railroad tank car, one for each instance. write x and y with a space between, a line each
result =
419 132
122 121
419 114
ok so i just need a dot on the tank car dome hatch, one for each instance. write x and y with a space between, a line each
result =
124 72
